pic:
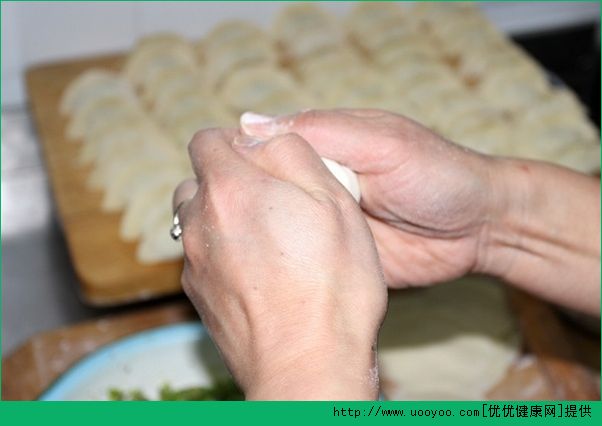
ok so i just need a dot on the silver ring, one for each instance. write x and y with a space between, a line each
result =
176 228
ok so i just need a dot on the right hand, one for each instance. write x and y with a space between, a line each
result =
428 201
282 268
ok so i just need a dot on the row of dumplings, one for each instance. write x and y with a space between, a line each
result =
443 65
544 122
135 125
466 80
135 162
381 62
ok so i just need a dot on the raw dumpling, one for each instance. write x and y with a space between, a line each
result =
89 86
305 29
246 88
157 190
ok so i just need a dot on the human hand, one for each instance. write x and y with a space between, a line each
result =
428 201
281 265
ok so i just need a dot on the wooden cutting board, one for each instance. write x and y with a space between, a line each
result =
106 266
555 365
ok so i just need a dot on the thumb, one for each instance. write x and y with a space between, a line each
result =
345 136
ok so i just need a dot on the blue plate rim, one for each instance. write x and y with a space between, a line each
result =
127 343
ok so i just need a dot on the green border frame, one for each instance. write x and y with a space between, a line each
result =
292 413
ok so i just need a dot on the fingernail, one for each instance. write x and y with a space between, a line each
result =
246 140
261 125
252 119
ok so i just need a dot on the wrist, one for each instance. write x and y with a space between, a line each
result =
510 192
323 375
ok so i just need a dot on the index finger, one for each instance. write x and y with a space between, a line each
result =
212 156
349 137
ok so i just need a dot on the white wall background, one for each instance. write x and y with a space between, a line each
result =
36 32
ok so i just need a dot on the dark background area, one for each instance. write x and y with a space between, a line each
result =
573 55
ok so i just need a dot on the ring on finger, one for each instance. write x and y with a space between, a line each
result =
176 227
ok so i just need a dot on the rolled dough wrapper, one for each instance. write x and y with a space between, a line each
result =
453 341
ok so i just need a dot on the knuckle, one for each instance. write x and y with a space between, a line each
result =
201 139
225 199
285 145
336 204
308 118
327 199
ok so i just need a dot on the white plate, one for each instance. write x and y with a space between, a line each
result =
181 355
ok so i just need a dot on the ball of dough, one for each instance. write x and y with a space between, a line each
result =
345 176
